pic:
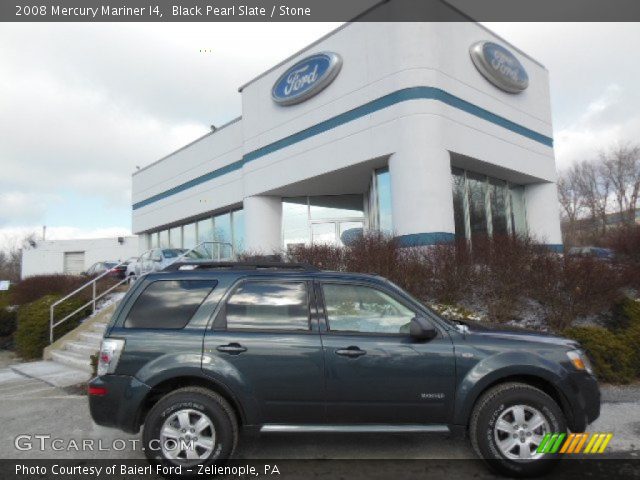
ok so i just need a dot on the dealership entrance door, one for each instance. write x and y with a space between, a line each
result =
336 233
323 219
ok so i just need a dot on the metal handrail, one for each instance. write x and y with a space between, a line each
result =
93 282
92 302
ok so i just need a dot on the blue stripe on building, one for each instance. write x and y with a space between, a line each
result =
413 93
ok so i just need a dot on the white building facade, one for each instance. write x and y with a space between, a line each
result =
74 256
428 131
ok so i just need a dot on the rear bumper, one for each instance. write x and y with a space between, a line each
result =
120 406
583 395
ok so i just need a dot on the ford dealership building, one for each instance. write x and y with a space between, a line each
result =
428 131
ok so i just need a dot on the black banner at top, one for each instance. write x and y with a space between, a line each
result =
318 10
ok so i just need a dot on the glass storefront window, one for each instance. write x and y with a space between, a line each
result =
499 201
476 187
164 239
348 232
459 203
175 237
485 205
518 211
222 233
295 221
228 228
383 200
189 236
237 224
323 233
205 230
328 207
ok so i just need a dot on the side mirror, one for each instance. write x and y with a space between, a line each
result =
421 329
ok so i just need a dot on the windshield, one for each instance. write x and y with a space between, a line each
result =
110 264
422 304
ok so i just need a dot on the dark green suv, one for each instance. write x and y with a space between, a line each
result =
202 350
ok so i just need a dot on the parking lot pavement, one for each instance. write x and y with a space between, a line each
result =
32 407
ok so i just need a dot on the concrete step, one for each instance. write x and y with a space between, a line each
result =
99 327
90 337
72 359
52 373
85 348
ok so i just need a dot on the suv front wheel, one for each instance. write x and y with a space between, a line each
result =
190 426
508 424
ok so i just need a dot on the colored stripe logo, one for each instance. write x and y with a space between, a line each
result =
574 443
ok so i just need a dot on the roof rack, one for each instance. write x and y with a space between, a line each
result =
210 265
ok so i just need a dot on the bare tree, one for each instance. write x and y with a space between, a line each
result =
570 200
11 257
569 194
621 166
594 188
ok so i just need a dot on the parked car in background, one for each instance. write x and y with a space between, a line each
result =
114 269
130 272
593 252
156 259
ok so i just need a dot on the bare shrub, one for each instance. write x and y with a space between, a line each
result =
452 273
497 274
570 287
503 273
326 257
625 241
33 288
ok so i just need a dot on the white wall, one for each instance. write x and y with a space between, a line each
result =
48 256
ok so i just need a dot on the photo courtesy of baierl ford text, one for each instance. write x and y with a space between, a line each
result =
294 239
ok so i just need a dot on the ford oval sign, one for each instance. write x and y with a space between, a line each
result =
306 78
499 66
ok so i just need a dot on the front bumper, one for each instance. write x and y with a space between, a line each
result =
121 405
583 396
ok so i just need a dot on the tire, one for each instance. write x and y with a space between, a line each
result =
499 410
194 406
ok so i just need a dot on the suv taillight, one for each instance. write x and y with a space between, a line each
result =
110 350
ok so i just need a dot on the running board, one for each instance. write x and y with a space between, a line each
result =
377 428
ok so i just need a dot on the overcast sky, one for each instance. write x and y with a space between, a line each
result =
81 105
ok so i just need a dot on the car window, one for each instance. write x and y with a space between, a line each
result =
168 303
358 308
172 252
268 306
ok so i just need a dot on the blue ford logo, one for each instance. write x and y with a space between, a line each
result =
499 66
306 78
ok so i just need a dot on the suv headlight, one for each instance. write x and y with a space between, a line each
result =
580 361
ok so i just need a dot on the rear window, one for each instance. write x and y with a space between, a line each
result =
172 253
168 303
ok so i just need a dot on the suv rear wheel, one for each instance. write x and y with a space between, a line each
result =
508 424
190 426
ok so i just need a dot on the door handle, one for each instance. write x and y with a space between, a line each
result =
352 352
232 348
